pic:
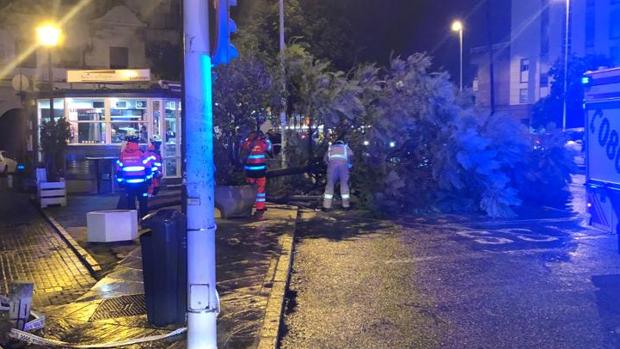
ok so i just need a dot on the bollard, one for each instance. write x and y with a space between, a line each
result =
20 301
9 180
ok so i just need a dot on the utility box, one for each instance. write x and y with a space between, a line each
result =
164 262
602 147
112 225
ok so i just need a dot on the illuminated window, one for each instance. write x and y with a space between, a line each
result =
128 117
87 120
525 70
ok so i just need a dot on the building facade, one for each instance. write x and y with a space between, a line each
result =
537 42
102 34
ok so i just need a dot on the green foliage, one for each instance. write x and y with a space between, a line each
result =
319 26
550 109
243 91
444 155
55 134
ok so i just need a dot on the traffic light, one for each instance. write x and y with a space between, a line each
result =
222 49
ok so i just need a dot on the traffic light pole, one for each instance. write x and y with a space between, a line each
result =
203 301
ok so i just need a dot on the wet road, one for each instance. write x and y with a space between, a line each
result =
452 282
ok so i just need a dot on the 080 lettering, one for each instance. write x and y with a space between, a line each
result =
608 139
603 132
612 145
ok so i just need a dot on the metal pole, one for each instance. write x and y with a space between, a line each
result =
461 59
50 78
283 118
566 38
203 301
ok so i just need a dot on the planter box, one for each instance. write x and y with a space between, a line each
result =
112 225
235 201
52 193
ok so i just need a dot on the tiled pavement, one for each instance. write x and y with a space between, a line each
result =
30 250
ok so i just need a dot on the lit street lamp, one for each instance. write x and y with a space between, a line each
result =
49 35
457 26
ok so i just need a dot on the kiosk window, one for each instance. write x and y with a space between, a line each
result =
128 117
87 118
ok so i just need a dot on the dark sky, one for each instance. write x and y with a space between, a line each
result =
407 26
383 27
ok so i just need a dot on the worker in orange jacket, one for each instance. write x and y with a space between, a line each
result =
153 156
254 152
133 172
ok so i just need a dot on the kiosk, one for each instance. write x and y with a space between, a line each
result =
100 119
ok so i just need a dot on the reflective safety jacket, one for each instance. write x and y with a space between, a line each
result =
133 167
153 158
255 163
339 153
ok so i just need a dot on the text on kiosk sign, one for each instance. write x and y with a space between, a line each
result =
109 75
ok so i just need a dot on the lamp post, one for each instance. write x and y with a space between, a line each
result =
457 26
283 118
48 35
566 48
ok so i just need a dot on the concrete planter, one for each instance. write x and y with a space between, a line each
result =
235 201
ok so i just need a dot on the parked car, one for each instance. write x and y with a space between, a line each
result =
7 165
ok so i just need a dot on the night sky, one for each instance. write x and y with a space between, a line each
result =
383 27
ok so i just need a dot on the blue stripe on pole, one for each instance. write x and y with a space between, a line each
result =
256 168
260 200
258 156
261 195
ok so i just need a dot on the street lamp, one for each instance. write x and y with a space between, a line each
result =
566 48
49 35
457 26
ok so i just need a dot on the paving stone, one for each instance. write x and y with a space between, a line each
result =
31 250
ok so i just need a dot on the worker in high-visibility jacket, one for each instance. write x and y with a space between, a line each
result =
133 172
254 152
153 156
339 159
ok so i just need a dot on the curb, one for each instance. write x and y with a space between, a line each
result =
91 264
272 324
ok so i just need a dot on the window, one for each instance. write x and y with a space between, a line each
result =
128 117
525 70
544 80
544 29
590 23
614 23
523 96
614 55
87 119
119 57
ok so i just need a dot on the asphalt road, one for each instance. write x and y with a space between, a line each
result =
452 282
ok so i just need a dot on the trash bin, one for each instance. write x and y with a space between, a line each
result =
164 262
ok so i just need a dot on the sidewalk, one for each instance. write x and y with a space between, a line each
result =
30 250
113 309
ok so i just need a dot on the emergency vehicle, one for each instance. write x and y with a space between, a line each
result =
602 147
